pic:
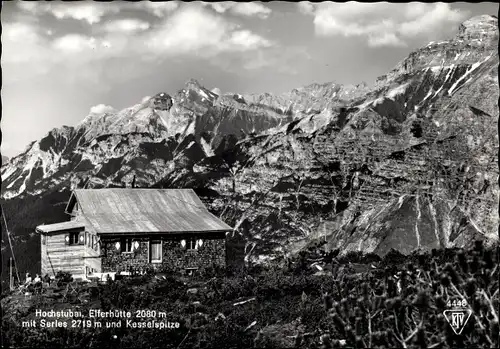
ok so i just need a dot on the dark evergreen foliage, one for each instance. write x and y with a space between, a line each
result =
399 299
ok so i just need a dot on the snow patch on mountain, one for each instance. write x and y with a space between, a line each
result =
437 92
201 92
8 172
451 67
436 69
163 115
397 91
206 147
470 70
428 94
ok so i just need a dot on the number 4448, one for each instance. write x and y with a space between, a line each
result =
457 303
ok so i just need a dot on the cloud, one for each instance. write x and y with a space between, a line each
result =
251 9
22 43
386 39
190 30
244 40
88 11
306 7
281 59
145 99
429 21
247 9
220 7
20 31
159 9
74 43
92 12
128 25
381 24
101 109
29 51
195 30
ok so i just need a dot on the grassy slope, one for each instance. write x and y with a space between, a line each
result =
290 306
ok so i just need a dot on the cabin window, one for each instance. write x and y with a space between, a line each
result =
126 245
74 239
193 244
155 251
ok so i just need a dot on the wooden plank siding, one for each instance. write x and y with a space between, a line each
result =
57 256
79 260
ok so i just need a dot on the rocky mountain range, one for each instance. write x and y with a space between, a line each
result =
407 163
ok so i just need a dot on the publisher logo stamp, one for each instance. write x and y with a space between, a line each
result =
458 315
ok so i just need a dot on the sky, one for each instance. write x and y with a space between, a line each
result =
62 61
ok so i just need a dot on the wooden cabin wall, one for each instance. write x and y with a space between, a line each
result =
57 256
92 259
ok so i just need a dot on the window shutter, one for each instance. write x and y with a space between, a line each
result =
66 239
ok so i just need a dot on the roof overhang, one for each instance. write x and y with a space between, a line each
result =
169 233
63 226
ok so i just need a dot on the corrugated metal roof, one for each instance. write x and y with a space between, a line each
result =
60 226
127 210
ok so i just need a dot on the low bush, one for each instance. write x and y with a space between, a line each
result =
397 302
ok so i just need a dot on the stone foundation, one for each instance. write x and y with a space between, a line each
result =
175 258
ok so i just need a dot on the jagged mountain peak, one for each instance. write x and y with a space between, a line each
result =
193 84
479 31
481 22
193 98
475 41
62 130
368 168
161 101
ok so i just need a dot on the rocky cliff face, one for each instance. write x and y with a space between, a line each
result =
408 163
146 140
